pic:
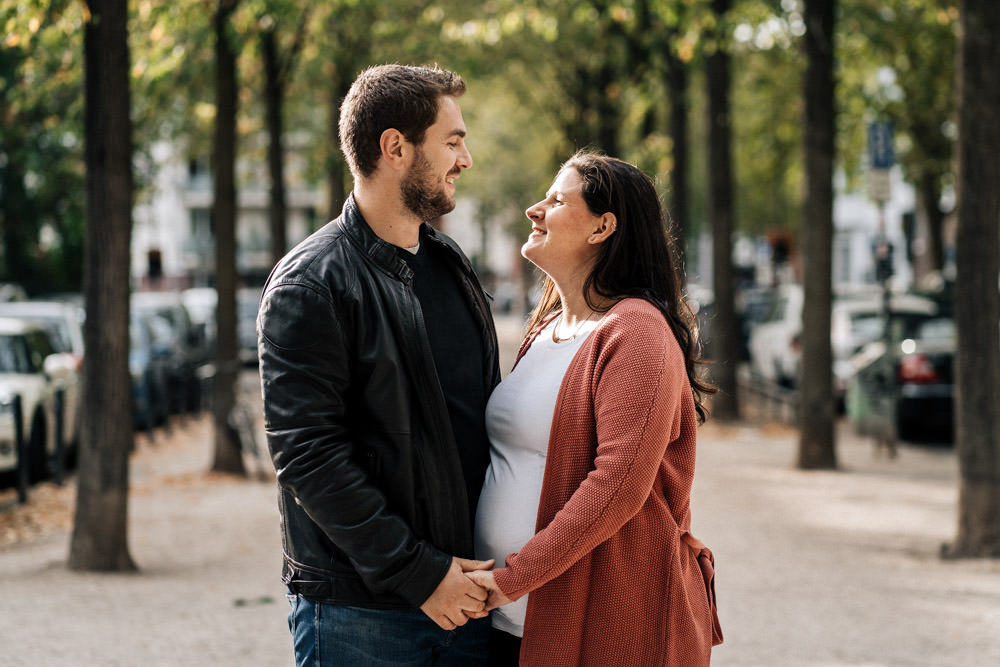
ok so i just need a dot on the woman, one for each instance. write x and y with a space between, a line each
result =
593 443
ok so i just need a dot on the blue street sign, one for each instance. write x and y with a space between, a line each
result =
880 151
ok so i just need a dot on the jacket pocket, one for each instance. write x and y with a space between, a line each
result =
706 561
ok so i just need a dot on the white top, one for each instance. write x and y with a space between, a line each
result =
518 421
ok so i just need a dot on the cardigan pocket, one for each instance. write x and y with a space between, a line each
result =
706 561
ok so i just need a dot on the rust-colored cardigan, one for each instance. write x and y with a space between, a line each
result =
614 574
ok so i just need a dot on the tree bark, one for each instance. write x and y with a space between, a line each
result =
929 193
336 167
817 408
607 108
228 456
677 89
725 344
17 216
274 94
99 541
977 301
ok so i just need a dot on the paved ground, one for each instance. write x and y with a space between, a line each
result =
815 569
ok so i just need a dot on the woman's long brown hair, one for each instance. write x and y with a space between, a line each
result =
638 260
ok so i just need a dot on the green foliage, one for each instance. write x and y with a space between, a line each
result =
545 77
767 117
902 56
41 175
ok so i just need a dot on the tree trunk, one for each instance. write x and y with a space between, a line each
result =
977 302
336 167
274 93
17 215
725 343
99 541
578 125
817 408
228 456
607 105
677 87
929 195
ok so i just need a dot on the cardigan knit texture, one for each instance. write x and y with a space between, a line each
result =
614 574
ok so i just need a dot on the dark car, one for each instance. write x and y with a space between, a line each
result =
181 339
149 365
247 305
906 391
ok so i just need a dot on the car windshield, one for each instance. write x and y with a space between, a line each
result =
13 355
58 334
940 328
866 326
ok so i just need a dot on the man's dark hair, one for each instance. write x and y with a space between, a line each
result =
391 96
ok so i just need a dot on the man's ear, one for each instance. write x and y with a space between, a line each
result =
605 226
395 148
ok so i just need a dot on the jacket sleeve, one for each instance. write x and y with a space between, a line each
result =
638 380
304 362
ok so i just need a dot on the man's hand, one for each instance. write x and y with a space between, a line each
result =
457 598
489 582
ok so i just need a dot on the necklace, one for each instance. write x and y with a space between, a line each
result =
576 332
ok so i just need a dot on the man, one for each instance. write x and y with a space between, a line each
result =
377 355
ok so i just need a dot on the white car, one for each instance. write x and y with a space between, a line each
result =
775 341
64 323
857 320
30 367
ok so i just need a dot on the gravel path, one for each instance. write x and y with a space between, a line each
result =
824 569
814 569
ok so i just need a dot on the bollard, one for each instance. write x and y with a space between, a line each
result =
58 462
21 446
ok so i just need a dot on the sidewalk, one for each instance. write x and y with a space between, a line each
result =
814 569
839 568
207 591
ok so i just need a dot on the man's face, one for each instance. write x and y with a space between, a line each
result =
428 188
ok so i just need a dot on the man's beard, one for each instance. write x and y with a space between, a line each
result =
419 193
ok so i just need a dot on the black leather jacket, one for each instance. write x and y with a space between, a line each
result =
371 491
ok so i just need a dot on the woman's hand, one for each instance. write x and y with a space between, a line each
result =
488 581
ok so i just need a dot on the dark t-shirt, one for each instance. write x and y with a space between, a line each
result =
458 349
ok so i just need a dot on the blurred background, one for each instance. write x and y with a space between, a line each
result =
158 158
669 86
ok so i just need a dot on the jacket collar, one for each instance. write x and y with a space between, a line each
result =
383 253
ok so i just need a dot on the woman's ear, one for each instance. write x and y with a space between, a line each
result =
395 148
605 227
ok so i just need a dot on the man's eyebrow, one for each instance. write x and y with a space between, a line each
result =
457 132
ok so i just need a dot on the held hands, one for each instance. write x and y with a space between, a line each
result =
457 598
486 579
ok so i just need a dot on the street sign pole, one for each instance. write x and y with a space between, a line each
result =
881 158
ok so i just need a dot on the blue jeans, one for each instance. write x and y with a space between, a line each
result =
326 635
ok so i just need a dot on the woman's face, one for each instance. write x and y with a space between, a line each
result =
562 228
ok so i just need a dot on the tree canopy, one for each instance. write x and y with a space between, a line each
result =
545 77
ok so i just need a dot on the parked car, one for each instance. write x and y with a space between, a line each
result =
857 320
905 390
150 367
183 341
64 323
200 303
32 368
247 305
775 341
753 305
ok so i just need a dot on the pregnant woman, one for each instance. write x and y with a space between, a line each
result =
593 434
